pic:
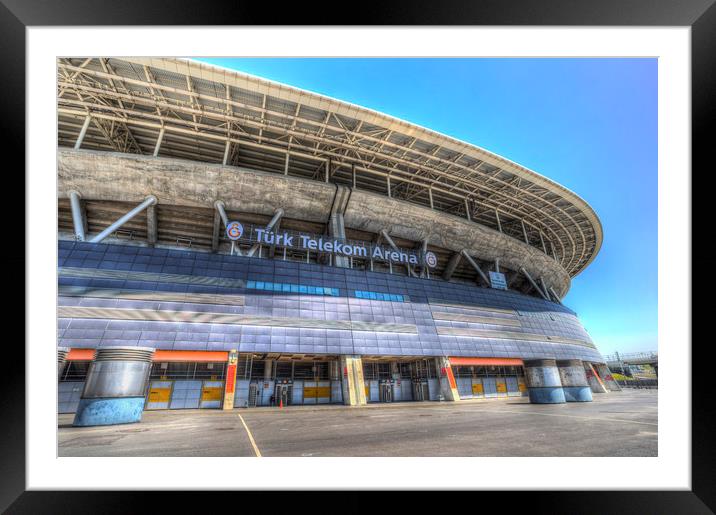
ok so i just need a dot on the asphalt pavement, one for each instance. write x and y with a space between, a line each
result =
615 424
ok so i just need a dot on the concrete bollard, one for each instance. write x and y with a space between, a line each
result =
543 383
574 380
62 353
115 387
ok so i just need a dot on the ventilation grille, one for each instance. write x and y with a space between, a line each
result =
124 354
62 354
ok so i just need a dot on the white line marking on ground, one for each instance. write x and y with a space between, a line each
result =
251 437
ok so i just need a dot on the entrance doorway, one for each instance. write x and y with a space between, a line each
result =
283 394
386 391
421 391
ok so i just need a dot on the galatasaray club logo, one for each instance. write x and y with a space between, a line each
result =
234 230
431 259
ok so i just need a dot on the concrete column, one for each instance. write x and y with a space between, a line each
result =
352 380
152 226
115 388
230 382
336 224
574 380
215 231
268 369
448 386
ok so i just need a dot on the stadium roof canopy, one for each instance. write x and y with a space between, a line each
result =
211 114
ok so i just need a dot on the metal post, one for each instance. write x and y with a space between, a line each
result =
467 209
533 283
328 169
554 294
77 216
452 265
430 196
276 217
149 201
499 225
152 225
83 131
541 238
476 267
353 173
388 177
219 205
497 265
159 142
390 241
285 165
227 149
524 231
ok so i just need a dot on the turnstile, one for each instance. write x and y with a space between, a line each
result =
420 390
386 391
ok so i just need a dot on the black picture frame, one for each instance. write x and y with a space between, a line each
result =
700 15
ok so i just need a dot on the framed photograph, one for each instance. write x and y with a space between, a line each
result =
307 257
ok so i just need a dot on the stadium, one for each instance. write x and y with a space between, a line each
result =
241 243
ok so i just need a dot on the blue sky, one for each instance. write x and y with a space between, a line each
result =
589 124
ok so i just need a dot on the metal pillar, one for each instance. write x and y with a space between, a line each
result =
390 241
83 131
541 238
276 217
554 294
149 201
533 283
476 267
78 215
227 149
467 210
152 225
497 216
524 232
159 142
388 177
497 265
423 251
452 265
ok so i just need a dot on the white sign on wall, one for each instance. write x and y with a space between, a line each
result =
498 281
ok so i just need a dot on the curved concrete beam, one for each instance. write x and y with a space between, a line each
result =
129 177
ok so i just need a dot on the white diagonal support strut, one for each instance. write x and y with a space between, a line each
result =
554 294
533 283
220 209
390 241
276 217
477 268
149 201
78 215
